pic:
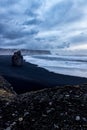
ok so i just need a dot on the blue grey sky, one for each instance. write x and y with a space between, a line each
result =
43 24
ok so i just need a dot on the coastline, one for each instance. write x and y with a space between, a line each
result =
60 105
31 77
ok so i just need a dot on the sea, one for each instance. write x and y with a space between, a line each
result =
61 62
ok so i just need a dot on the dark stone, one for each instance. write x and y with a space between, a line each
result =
17 59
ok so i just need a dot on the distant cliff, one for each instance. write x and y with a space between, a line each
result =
24 51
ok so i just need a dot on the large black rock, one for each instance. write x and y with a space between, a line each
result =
17 59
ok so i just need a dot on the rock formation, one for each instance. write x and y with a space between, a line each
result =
17 59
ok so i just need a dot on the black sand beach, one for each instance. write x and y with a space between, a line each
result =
31 77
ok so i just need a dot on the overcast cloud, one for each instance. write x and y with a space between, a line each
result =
43 24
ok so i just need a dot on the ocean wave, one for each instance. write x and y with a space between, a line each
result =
71 65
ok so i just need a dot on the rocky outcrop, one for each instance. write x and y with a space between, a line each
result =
6 90
58 108
17 59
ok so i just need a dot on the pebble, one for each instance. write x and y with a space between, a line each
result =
13 114
77 118
67 95
26 113
50 110
16 112
50 103
66 113
70 91
20 119
44 115
84 119
14 123
56 126
82 105
61 114
7 103
33 120
76 96
8 128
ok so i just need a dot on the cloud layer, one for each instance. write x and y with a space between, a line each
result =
43 24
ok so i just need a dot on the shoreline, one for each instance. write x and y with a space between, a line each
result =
30 77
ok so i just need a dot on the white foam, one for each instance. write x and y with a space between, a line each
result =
70 65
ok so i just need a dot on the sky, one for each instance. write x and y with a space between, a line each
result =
43 24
